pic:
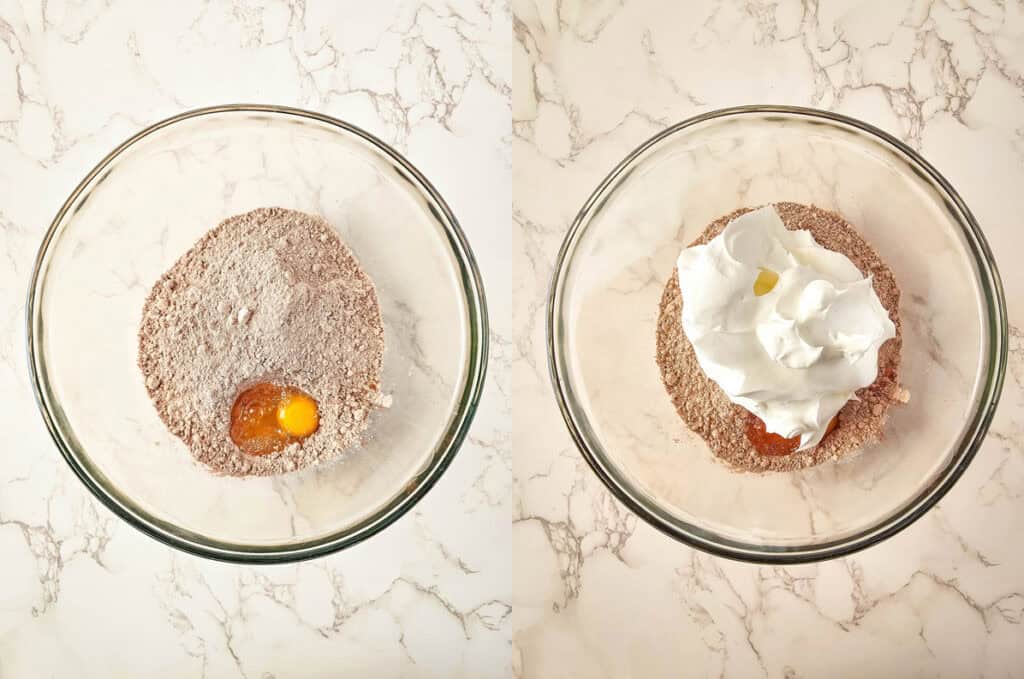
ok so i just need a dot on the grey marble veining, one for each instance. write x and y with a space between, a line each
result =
601 593
431 595
580 584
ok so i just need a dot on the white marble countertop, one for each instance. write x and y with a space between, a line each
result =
84 595
597 592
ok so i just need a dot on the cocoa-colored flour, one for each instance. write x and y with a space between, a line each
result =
272 295
705 408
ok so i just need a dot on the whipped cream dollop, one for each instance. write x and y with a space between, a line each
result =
796 354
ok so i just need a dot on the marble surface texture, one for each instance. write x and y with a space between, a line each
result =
598 593
522 107
84 595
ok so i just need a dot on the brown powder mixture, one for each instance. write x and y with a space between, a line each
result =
272 295
705 408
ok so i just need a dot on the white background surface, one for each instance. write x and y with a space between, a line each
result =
596 593
599 594
84 595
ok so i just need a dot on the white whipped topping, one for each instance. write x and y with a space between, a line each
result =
795 355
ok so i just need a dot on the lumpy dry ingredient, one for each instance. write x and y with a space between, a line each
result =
269 299
725 426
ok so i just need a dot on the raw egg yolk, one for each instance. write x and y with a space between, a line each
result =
268 417
297 414
765 282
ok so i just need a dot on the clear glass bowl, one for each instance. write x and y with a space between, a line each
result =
148 202
603 308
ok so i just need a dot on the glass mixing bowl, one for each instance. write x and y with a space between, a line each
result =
603 308
144 206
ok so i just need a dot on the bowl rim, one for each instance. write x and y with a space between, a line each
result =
448 442
708 541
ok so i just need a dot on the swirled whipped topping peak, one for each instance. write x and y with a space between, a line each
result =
788 329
